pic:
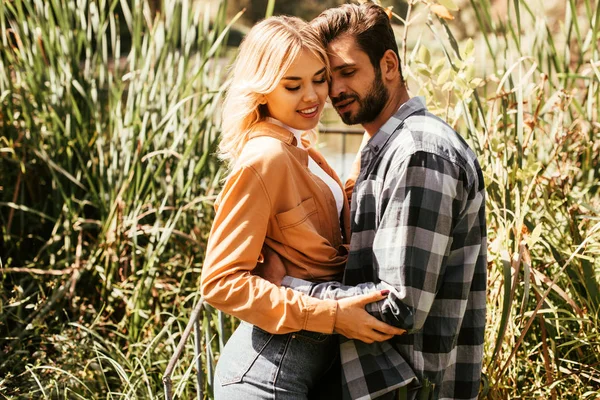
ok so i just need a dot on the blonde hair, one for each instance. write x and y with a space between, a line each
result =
265 55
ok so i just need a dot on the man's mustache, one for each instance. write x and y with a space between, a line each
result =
343 97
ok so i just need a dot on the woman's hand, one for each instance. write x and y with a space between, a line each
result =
354 322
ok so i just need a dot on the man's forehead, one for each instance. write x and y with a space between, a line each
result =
344 50
343 44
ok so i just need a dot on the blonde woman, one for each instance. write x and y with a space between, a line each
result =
281 196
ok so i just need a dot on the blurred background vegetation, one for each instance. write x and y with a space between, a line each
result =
108 125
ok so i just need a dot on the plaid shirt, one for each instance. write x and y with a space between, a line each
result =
418 229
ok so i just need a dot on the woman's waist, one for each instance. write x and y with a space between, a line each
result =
315 273
316 266
302 334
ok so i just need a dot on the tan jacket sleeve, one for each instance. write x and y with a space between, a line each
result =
234 246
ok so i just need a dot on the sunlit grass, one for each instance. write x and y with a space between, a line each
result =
109 128
533 121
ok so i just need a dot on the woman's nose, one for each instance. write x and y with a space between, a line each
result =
310 94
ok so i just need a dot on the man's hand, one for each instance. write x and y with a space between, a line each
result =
354 322
272 268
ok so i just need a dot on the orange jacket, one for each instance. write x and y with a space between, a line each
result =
272 199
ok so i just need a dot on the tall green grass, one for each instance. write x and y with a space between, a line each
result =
109 130
526 95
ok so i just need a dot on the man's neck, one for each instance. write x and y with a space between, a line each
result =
398 96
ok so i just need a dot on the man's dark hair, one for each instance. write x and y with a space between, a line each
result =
368 23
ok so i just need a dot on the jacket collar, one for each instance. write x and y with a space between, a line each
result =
265 128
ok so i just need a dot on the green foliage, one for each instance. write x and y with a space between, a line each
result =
305 9
526 95
108 176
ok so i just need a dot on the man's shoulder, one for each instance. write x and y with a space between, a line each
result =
427 132
424 132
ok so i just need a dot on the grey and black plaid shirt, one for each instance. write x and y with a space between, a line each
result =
418 229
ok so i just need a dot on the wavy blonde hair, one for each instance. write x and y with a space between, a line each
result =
265 55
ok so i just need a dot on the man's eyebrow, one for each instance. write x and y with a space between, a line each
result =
297 78
339 67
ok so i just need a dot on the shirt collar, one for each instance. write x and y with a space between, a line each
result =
379 140
265 128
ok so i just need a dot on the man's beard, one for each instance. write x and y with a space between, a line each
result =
369 107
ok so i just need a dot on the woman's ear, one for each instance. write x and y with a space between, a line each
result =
390 65
262 99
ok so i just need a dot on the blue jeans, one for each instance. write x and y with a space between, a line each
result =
258 365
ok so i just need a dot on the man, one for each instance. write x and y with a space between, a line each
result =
417 219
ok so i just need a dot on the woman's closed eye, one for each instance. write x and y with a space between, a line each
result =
317 82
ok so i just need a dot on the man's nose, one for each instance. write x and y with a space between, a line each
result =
336 88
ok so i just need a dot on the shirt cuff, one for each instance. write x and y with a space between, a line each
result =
320 315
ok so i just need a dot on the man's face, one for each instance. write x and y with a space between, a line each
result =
357 90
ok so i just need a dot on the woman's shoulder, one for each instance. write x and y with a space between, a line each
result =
261 164
267 144
261 154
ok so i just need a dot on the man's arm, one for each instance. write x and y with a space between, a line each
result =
336 290
422 202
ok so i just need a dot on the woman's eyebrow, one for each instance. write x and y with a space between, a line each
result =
297 78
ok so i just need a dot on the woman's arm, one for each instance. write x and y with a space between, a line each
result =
234 246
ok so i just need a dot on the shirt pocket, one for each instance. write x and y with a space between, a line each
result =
300 223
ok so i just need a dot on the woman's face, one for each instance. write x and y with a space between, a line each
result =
298 99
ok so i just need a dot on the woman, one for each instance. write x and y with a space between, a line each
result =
280 194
